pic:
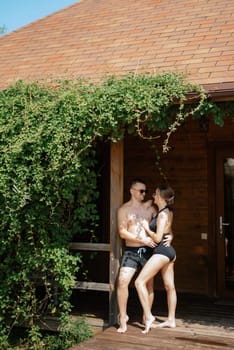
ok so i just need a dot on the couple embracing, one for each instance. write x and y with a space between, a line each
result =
147 233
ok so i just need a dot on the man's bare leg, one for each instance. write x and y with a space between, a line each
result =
125 276
123 320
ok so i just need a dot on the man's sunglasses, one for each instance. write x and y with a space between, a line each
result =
141 190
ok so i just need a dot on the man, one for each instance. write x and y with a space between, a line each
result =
137 245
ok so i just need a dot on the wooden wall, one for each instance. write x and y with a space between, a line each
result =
189 171
186 170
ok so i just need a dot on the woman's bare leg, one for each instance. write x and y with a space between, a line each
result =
151 268
168 280
150 289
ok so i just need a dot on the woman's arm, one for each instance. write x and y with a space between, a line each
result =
161 227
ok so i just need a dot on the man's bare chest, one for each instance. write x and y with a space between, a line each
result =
138 215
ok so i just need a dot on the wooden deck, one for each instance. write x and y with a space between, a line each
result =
201 324
164 339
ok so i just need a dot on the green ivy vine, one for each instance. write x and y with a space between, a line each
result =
48 175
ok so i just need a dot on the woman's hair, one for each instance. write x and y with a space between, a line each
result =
167 193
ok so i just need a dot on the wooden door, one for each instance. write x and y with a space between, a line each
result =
224 212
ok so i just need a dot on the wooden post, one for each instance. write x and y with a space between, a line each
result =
116 199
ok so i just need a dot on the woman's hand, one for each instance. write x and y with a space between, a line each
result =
144 223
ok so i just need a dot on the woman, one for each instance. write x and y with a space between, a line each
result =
162 259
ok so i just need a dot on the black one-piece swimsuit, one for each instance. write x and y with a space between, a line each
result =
161 248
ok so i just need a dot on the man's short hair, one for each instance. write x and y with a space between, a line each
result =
134 181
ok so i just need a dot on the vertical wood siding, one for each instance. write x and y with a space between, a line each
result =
186 169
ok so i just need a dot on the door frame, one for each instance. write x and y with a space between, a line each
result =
216 270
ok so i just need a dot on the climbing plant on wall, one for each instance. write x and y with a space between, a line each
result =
48 174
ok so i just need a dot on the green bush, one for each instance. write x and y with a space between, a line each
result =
47 192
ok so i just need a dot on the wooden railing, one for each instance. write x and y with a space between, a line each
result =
105 287
100 247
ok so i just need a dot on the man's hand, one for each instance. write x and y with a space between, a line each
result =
167 240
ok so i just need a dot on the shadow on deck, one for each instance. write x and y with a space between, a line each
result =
202 323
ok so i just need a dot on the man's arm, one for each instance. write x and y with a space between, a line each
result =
168 239
127 235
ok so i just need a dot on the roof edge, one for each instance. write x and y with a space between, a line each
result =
220 91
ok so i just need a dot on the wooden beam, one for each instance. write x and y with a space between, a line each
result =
116 199
103 247
105 287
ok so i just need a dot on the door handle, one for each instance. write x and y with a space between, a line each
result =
221 224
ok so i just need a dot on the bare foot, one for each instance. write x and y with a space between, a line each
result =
167 324
148 324
123 324
153 325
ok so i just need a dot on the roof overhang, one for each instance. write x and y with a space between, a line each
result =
220 92
217 92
